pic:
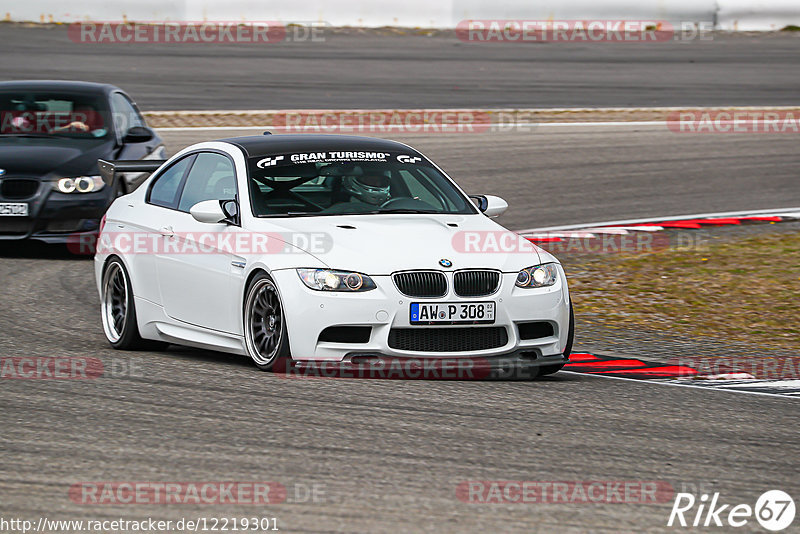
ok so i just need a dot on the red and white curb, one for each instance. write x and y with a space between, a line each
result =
680 374
554 234
633 369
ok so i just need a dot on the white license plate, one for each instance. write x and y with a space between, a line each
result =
452 312
13 210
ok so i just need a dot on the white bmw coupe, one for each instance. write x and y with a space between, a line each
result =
323 248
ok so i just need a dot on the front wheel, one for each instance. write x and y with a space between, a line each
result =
265 333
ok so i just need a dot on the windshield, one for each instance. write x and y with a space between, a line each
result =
338 183
53 114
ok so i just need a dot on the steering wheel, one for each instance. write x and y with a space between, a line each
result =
407 203
392 201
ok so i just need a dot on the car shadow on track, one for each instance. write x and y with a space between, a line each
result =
208 356
190 354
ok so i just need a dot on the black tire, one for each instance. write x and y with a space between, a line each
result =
552 369
265 333
118 310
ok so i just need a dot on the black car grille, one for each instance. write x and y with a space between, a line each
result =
16 189
447 339
421 283
476 283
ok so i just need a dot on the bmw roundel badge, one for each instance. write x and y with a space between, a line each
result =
445 263
2 172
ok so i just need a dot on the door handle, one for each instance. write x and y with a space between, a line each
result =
167 231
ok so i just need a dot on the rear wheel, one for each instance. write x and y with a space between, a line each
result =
265 334
118 310
551 369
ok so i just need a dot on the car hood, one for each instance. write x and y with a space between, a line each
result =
382 244
34 157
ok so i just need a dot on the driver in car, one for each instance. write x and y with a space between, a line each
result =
370 189
84 119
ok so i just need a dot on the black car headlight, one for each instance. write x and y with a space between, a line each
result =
331 280
542 275
80 184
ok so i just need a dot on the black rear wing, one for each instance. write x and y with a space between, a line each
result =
108 169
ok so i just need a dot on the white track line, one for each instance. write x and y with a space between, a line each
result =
213 128
415 129
778 212
572 235
475 110
652 381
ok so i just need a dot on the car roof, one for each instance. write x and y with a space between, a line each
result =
265 145
59 85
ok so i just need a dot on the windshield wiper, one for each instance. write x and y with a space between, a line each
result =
404 210
335 214
25 135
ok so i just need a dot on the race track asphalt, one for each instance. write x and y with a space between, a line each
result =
388 455
356 69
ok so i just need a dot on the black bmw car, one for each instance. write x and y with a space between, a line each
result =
51 135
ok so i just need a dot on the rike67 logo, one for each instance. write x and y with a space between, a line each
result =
774 510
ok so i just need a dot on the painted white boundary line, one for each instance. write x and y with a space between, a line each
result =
789 212
450 110
501 126
214 128
652 381
492 112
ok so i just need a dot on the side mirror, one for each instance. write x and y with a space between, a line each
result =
138 134
208 211
231 210
490 205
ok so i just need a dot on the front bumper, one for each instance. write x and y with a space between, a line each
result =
55 217
520 365
385 309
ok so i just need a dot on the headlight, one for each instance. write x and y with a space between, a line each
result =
538 276
328 280
80 184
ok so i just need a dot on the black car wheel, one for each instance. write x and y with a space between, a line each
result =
118 310
265 323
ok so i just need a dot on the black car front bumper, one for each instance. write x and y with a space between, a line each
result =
55 217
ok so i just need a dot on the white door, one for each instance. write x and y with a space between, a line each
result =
195 272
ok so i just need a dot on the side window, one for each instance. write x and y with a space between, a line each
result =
211 178
125 115
164 191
